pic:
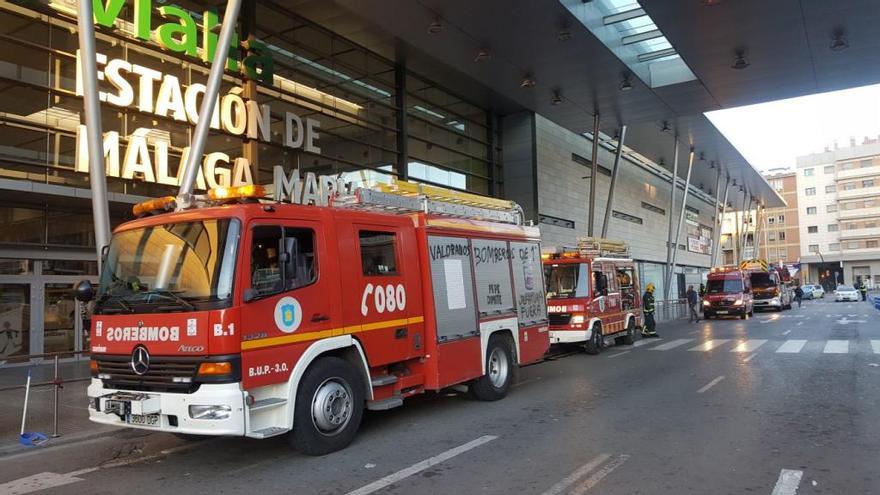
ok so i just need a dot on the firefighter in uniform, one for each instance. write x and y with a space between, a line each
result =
863 289
648 309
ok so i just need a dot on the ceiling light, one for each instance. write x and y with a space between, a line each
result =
483 55
625 84
527 82
711 3
435 27
665 127
563 35
557 98
838 42
740 61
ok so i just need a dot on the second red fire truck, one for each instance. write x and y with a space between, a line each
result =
260 318
592 294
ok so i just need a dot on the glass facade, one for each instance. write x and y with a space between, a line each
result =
332 107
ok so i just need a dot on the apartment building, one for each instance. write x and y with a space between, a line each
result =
780 234
838 196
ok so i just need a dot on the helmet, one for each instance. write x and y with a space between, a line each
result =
649 287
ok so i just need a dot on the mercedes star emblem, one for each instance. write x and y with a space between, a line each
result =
140 360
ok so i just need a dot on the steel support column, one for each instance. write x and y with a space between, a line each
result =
684 197
716 241
669 244
400 101
212 89
94 131
594 175
620 140
741 228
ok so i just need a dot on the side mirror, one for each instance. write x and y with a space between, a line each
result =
249 294
84 291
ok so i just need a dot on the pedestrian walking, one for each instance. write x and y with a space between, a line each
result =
798 295
649 325
693 299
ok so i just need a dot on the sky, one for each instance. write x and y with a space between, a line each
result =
774 134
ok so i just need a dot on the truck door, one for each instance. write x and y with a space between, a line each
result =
290 283
382 303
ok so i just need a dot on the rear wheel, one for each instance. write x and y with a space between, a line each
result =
329 407
500 370
630 336
595 344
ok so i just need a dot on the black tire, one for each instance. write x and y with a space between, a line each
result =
501 370
337 384
595 344
744 315
630 337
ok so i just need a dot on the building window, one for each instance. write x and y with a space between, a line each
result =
781 219
808 172
587 163
692 210
829 169
377 253
834 246
627 217
832 227
782 236
868 183
771 236
777 184
813 229
852 245
871 244
813 248
849 186
868 225
771 220
830 189
810 191
811 210
655 209
559 222
830 208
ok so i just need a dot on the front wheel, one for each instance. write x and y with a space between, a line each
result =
594 345
500 370
329 407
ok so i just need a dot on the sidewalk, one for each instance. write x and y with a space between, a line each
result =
73 420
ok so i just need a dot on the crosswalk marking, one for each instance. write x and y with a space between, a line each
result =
749 345
672 344
875 344
792 346
836 347
709 345
644 341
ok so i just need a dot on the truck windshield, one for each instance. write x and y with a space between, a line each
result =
567 280
762 280
173 267
724 286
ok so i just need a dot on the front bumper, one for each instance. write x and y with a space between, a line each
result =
569 336
174 408
767 303
723 310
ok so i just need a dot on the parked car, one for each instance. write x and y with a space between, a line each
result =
817 292
847 293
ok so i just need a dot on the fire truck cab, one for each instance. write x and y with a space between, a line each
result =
728 293
254 318
592 295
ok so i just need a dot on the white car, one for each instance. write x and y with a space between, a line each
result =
816 291
847 293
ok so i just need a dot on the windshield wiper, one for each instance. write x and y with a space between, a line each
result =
118 300
171 295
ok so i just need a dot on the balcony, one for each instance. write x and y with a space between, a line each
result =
858 172
859 233
858 213
862 192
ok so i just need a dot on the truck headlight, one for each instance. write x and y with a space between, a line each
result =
705 303
577 319
738 302
209 412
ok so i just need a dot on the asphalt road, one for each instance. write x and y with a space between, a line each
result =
782 403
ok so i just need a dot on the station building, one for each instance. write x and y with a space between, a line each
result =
314 87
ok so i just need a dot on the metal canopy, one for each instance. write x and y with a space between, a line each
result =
544 41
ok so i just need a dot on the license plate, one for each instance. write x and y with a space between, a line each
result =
722 312
143 419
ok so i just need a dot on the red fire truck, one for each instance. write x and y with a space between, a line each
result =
592 294
728 293
255 318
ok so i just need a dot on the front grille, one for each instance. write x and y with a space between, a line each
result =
721 304
159 377
768 295
560 318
